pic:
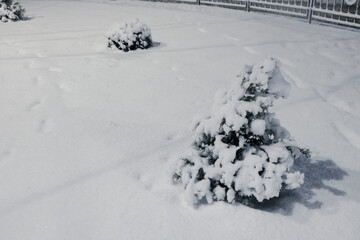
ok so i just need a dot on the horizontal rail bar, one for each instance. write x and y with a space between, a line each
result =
226 4
279 11
352 24
280 4
337 13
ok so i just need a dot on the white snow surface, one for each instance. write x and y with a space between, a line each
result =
88 133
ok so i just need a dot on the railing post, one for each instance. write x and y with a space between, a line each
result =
248 5
310 10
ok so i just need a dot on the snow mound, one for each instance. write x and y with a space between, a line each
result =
129 36
11 11
241 152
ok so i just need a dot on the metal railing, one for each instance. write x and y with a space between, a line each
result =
345 12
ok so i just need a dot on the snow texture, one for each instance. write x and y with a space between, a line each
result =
129 36
241 147
11 11
87 133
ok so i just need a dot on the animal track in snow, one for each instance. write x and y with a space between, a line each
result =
5 156
33 105
169 137
144 180
39 80
46 125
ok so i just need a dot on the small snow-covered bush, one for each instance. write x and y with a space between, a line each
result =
241 152
130 36
11 11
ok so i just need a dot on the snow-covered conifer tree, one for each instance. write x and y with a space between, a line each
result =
241 152
11 11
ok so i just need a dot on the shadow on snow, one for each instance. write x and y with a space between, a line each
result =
316 172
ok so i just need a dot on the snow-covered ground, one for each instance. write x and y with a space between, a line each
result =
87 134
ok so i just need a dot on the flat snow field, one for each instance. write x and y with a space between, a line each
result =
88 134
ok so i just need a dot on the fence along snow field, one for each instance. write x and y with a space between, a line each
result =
337 11
346 12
